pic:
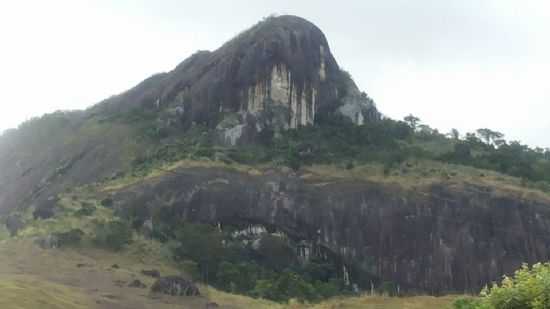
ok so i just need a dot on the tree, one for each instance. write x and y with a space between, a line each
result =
228 276
488 135
275 252
426 130
454 134
203 244
472 139
499 142
412 121
113 235
462 152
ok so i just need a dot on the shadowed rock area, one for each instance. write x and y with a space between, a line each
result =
279 74
438 239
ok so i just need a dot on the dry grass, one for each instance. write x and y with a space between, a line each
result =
410 174
26 292
380 302
65 218
52 278
415 174
156 172
240 301
55 279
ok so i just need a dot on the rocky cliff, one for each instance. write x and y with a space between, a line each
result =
446 237
279 74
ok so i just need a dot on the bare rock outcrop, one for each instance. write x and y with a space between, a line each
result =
438 238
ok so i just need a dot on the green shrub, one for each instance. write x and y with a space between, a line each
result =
291 285
69 238
191 268
108 202
237 278
388 288
275 252
113 235
328 289
529 288
85 211
201 243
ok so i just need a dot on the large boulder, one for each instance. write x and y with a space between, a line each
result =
175 286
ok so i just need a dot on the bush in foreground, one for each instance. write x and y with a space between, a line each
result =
529 288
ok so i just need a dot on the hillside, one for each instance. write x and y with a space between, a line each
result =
261 170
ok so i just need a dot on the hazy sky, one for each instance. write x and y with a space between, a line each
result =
460 64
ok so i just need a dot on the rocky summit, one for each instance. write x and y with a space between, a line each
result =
265 152
279 74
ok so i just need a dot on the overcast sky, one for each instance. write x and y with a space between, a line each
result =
461 64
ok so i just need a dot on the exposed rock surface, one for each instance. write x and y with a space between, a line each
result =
279 74
436 239
175 286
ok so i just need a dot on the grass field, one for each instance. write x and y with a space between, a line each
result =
26 292
380 302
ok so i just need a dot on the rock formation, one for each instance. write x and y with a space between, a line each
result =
279 74
438 239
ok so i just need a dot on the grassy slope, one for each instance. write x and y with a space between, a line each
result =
22 292
51 279
410 174
380 302
31 278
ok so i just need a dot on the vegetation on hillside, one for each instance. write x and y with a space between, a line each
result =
388 142
266 268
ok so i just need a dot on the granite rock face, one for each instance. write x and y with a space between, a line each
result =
279 74
435 239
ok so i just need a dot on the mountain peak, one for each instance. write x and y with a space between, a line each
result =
279 74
